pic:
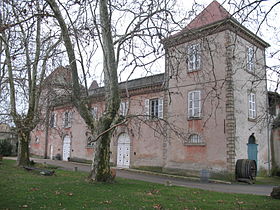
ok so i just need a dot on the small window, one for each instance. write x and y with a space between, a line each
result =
94 113
123 108
67 118
90 142
194 139
193 57
252 106
37 140
53 120
250 59
194 104
154 108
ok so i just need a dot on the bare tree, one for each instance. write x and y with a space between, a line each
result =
146 24
27 51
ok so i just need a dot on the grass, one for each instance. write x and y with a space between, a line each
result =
70 190
275 180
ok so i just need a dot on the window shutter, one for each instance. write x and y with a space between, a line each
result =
123 108
126 108
147 108
54 120
94 113
160 108
196 104
198 57
70 116
252 105
250 59
190 104
190 58
63 119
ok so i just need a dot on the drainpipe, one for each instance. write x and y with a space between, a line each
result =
47 129
267 121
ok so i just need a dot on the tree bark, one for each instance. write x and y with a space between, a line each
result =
101 169
23 148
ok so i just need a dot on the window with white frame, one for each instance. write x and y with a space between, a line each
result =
53 120
94 113
194 57
67 119
250 59
37 140
194 139
252 106
154 108
123 108
194 104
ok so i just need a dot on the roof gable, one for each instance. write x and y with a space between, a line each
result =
212 13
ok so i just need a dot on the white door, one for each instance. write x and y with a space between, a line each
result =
51 152
66 148
123 158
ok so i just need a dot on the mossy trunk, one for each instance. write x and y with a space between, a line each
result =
100 170
101 167
23 148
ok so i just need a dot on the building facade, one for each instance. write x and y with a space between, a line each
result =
199 114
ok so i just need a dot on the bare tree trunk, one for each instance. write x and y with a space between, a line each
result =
23 149
101 168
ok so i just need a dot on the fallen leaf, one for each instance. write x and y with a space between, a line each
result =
157 206
221 201
106 202
34 189
57 192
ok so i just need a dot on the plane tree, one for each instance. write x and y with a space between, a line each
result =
27 44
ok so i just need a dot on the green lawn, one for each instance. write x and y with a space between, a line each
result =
70 190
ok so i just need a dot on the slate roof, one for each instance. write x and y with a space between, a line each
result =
134 84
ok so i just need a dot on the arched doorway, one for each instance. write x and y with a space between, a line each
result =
252 148
66 147
123 154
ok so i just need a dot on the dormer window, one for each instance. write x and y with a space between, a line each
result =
193 57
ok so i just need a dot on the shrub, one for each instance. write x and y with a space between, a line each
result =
5 148
275 171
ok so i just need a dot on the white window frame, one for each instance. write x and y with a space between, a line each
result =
252 111
94 113
67 120
194 57
250 59
194 104
37 140
194 138
123 108
53 120
149 109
